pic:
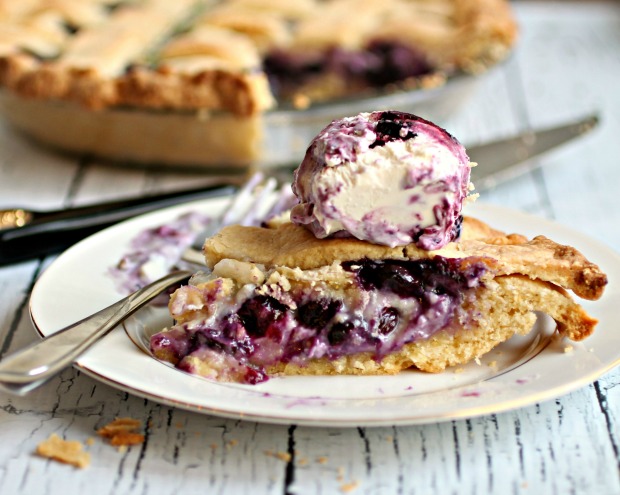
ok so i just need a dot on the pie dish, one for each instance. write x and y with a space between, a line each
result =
281 301
157 81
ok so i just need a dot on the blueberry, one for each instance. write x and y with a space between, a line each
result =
400 281
339 332
259 313
198 340
317 314
388 320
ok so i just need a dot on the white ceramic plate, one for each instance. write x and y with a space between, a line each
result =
520 372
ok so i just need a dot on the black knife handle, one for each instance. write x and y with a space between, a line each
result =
54 231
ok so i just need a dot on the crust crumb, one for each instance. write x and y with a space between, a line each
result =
122 432
231 443
349 487
68 452
340 475
283 456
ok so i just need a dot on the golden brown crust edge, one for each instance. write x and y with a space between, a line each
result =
286 244
485 32
241 93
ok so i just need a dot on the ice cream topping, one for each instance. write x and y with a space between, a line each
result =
389 178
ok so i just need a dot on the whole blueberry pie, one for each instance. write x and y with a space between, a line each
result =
375 272
224 63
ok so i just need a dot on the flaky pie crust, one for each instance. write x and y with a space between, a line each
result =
294 246
142 54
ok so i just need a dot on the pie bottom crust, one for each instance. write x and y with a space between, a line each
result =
139 137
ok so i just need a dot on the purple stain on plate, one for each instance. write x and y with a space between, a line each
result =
471 393
526 380
155 251
308 401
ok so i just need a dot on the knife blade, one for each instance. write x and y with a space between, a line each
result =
506 159
32 234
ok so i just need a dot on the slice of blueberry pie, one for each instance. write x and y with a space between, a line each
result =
281 301
377 272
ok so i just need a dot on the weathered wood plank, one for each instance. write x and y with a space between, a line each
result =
567 64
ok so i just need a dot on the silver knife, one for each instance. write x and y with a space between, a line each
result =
506 159
27 234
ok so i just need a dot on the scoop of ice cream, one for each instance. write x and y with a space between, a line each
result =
388 177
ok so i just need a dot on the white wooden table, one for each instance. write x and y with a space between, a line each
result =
567 64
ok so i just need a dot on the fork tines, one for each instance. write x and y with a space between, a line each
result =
256 202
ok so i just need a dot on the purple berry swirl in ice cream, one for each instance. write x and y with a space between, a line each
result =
388 177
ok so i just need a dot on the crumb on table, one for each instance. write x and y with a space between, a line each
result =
122 432
349 487
283 456
69 452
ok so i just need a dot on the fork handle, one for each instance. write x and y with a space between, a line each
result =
32 366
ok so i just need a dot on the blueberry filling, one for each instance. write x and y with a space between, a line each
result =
378 64
458 227
393 126
396 63
416 278
398 302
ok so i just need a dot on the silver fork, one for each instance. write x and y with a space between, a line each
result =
32 366
252 204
